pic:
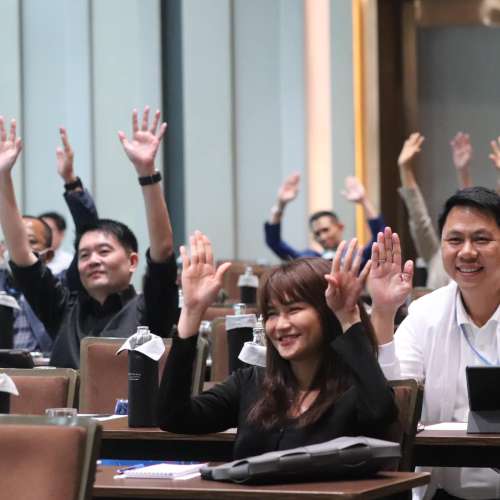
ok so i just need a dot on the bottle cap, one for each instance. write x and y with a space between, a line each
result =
239 308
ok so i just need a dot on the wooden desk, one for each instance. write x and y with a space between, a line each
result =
456 449
384 484
121 441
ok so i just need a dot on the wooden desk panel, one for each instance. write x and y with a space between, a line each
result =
121 441
456 449
384 484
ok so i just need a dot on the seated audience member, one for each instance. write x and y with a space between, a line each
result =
325 225
450 328
322 378
62 259
424 235
28 331
107 258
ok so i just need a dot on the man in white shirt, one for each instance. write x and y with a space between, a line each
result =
452 327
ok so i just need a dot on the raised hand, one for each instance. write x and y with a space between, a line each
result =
289 189
345 283
354 190
461 150
200 280
495 155
388 283
10 146
143 146
65 157
410 149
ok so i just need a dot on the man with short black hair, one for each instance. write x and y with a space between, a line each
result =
453 327
325 225
107 258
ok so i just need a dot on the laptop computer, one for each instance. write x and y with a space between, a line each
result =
483 386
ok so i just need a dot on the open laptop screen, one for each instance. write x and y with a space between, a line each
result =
483 386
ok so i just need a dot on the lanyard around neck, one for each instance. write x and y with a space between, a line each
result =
475 351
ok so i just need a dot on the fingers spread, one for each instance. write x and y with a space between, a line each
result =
13 126
221 270
347 263
156 120
145 119
3 134
184 257
135 123
338 257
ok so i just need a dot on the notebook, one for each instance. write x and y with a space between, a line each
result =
164 471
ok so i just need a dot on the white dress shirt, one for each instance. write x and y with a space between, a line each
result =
430 346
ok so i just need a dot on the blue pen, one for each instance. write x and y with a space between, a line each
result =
124 469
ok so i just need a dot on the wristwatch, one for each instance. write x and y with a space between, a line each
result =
150 179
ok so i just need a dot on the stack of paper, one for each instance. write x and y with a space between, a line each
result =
165 471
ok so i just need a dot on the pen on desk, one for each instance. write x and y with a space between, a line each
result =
124 469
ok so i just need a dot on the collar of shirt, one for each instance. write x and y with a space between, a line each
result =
113 303
463 317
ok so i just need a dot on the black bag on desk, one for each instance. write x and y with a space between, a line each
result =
344 457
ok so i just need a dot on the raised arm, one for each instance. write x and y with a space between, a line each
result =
79 201
389 283
495 159
461 152
345 284
201 282
286 193
141 150
355 192
14 231
411 147
423 233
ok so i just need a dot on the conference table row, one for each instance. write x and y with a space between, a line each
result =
444 447
440 446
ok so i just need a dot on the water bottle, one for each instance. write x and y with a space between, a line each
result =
254 352
4 402
142 383
239 328
6 323
248 284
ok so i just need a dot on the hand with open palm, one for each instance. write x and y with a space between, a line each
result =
146 139
345 283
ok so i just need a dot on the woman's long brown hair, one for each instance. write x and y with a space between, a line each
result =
302 280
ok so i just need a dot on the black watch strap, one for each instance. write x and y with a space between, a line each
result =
73 185
150 179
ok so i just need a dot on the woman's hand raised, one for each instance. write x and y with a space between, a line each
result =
388 283
200 282
345 284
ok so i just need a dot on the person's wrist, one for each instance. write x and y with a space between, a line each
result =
347 318
73 183
384 311
147 180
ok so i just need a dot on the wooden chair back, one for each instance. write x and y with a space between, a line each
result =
42 388
46 458
409 396
104 376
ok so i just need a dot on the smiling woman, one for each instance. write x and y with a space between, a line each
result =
322 379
